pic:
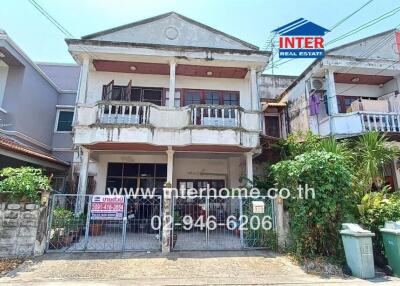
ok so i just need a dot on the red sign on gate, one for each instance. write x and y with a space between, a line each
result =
104 207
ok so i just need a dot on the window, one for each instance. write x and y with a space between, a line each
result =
192 97
272 126
231 98
141 94
128 175
211 97
344 102
64 121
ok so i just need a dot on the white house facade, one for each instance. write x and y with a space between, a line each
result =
131 132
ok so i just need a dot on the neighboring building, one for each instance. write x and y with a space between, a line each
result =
352 90
166 99
36 107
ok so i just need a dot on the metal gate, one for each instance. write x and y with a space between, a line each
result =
216 223
74 227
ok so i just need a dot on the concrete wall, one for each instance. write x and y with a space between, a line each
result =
364 47
173 30
3 80
362 90
23 229
272 86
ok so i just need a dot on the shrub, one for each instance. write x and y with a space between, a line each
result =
315 223
376 208
23 183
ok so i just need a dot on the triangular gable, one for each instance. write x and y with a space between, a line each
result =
171 29
301 27
379 46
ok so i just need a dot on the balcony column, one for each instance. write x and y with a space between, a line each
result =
83 179
249 167
254 90
81 98
167 204
331 92
171 96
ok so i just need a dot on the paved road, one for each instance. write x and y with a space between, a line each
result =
178 268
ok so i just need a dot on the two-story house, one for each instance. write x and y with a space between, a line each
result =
36 110
166 99
352 90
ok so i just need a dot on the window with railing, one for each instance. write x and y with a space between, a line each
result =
130 93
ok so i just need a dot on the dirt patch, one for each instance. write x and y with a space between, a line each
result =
8 264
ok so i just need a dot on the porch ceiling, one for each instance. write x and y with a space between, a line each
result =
362 78
153 148
163 69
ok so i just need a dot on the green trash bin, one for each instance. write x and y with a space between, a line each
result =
391 240
357 244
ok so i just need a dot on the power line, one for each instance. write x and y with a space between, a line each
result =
58 25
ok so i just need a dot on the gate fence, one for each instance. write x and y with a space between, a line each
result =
72 228
215 223
201 223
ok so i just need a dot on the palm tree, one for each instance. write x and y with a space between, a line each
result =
341 148
373 152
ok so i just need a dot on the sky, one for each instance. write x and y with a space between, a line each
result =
249 20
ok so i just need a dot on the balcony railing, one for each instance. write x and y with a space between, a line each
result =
380 121
117 112
218 115
124 112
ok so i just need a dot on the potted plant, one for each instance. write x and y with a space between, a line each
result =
95 228
61 228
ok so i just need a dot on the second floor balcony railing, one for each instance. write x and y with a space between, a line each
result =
124 112
380 121
142 113
218 115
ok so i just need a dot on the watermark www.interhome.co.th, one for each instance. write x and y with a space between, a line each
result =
301 192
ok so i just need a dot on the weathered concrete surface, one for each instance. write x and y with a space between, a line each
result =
22 229
176 268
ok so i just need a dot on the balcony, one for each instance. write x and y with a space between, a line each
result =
143 122
139 113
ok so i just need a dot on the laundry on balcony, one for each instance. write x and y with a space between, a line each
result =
370 105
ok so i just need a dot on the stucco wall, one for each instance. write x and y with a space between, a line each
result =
98 79
30 102
3 80
162 31
272 86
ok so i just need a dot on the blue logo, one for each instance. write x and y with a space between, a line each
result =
301 39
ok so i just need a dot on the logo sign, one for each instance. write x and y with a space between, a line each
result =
301 39
258 207
106 207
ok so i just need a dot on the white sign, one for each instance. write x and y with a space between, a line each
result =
105 207
258 207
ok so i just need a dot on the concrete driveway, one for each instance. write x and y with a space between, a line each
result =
178 268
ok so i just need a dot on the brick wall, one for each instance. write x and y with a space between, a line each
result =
22 229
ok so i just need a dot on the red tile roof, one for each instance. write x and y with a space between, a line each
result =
12 145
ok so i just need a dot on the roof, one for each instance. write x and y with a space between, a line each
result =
165 47
65 76
155 18
301 27
12 145
6 37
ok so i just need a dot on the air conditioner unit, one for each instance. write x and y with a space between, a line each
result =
315 84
